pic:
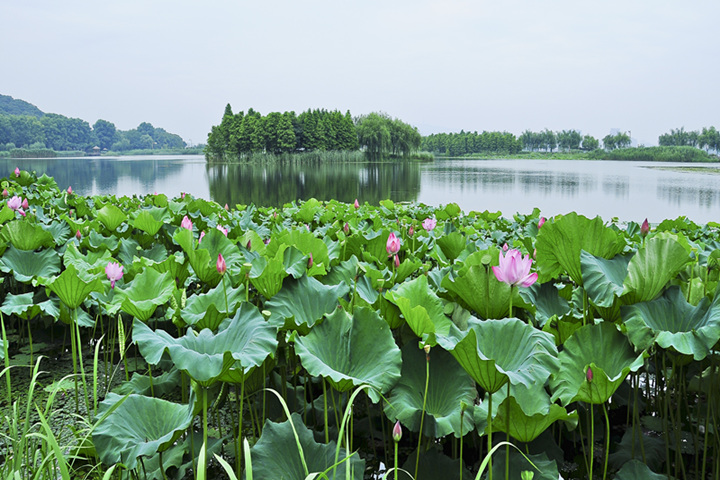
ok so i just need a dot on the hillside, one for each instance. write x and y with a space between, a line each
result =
12 106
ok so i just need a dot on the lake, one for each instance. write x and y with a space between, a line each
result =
627 190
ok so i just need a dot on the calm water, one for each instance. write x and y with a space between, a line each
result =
627 190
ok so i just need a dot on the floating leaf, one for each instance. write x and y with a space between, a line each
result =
26 265
25 236
111 216
146 292
422 309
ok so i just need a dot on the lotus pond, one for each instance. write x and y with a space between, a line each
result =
156 337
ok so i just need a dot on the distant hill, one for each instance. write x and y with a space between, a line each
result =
11 106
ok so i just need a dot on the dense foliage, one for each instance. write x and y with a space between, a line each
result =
708 138
596 353
655 154
32 129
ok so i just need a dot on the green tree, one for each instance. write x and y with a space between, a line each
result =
590 143
609 142
374 134
105 132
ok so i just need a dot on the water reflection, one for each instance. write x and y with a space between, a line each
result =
279 183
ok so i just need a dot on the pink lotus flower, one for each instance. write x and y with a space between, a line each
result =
222 229
357 205
69 190
541 222
645 228
393 244
429 224
514 269
25 204
221 266
5 193
186 223
17 172
14 203
397 432
114 272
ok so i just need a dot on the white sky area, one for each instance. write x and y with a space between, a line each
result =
643 66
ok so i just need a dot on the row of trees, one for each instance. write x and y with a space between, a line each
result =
456 144
708 139
61 133
241 134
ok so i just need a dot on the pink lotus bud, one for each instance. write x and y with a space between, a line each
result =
78 235
397 261
21 212
505 247
69 190
393 244
5 193
25 204
411 231
397 432
541 222
357 205
186 223
645 228
267 241
182 195
249 244
227 208
346 228
310 261
17 172
202 234
221 267
222 229
589 375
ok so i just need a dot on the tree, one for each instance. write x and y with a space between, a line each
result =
590 143
549 140
374 134
609 142
105 132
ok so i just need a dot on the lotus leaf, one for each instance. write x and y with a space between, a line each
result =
111 216
603 279
362 352
267 274
21 305
656 263
494 352
89 265
26 265
60 232
546 469
302 240
146 292
140 426
208 310
606 351
130 249
560 242
671 322
203 257
452 244
25 236
205 356
636 470
146 220
303 302
422 309
276 455
71 288
432 465
448 386
97 241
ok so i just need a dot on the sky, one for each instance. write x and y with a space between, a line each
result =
643 67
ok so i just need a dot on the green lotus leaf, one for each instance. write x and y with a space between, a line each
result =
72 288
302 240
448 386
603 279
21 305
208 310
97 241
452 244
560 242
656 263
432 465
546 469
174 265
562 329
25 236
531 412
146 292
303 302
606 351
671 322
546 300
60 232
150 220
140 426
494 352
89 265
204 258
636 470
295 262
111 216
362 351
422 309
479 290
130 249
26 265
204 355
164 384
6 213
267 274
276 455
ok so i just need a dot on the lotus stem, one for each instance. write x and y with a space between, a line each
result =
8 383
489 441
205 431
462 414
162 467
511 305
73 348
592 441
227 309
607 440
325 411
422 417
240 419
708 399
396 462
507 425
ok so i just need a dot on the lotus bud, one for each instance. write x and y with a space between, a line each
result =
427 349
202 234
397 432
182 195
357 205
21 212
310 261
541 222
266 241
5 193
222 229
69 190
505 247
346 228
227 208
78 235
645 228
397 261
17 172
249 244
186 223
221 266
589 375
411 231
393 244
25 204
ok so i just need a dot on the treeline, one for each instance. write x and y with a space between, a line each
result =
655 154
708 139
243 135
463 143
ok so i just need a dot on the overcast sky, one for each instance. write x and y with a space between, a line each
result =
640 66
